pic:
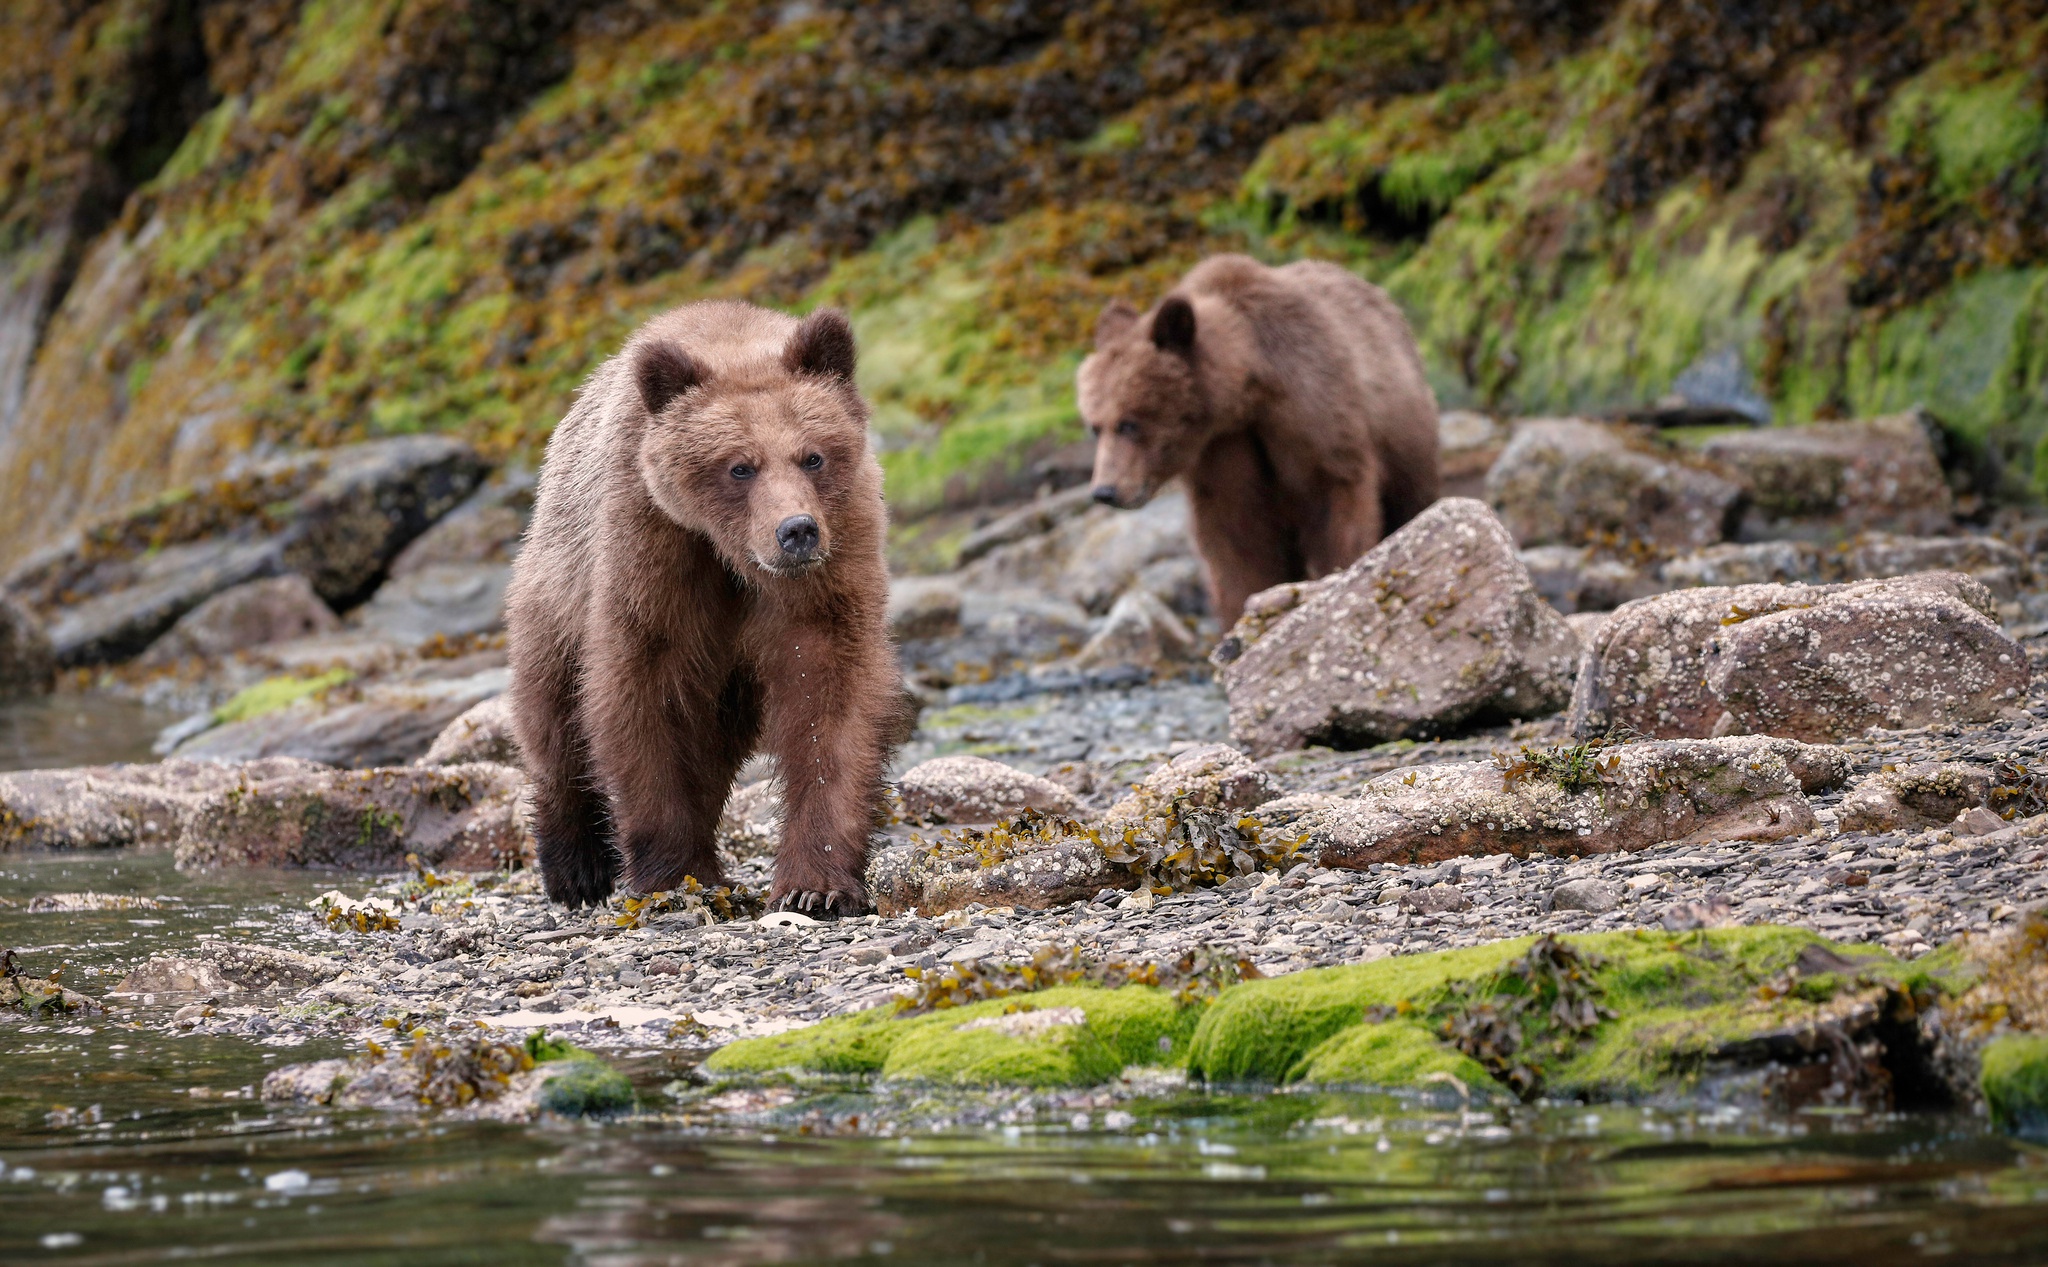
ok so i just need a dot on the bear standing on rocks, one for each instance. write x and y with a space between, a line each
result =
1293 401
704 575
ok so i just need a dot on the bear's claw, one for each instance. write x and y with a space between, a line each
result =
812 902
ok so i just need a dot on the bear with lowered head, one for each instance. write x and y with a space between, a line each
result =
704 577
1291 399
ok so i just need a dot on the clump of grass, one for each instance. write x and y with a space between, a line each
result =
272 694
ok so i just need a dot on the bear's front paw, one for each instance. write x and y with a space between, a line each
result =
828 903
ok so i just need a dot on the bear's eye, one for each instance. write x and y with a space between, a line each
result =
741 471
814 461
1127 429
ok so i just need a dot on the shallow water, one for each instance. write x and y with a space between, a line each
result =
69 729
124 1145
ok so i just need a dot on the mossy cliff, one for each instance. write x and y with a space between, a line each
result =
289 222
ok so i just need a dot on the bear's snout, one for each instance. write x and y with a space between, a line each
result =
1106 494
798 537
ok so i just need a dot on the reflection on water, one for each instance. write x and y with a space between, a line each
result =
77 729
118 1144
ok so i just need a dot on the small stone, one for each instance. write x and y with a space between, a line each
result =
484 733
1596 897
1713 912
1140 632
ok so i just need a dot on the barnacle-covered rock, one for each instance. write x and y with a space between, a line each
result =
1568 481
1927 794
964 789
117 806
470 1074
1841 477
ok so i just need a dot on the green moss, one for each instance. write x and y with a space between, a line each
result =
586 1088
1389 1054
1132 1025
272 694
2015 1083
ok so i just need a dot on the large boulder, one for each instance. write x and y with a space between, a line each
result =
1838 478
931 879
252 614
484 733
437 600
383 724
1088 555
117 806
1570 801
1895 654
1646 670
1435 626
462 817
28 665
976 790
336 517
1567 481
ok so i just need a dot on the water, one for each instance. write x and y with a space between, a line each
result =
125 1145
78 729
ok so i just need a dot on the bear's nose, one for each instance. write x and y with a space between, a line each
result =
1106 494
798 536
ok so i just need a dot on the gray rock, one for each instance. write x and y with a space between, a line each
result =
1178 583
1433 626
1436 900
1468 444
1574 579
1629 797
750 826
1567 481
461 817
976 790
1089 557
1207 777
484 529
1033 520
1748 563
385 724
1140 632
1912 798
1838 478
2002 567
252 614
437 600
222 968
336 517
116 806
924 607
483 733
1644 673
1000 632
28 665
1896 653
1596 897
909 877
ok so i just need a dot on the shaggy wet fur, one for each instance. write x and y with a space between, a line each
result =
704 577
1292 399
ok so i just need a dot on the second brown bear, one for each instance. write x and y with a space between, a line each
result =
704 576
1292 400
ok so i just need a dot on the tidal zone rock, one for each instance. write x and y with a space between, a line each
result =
28 666
252 614
1567 481
976 790
1581 800
1929 794
1603 1016
461 817
1802 661
1434 626
118 806
484 733
383 724
1838 478
472 1074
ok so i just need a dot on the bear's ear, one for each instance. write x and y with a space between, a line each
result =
1173 328
663 372
822 345
1115 319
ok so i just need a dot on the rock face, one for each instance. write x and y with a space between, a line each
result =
337 518
484 733
1645 671
1566 481
976 790
251 614
28 666
1838 478
1927 794
1896 654
1435 625
117 806
390 723
460 817
484 529
1622 798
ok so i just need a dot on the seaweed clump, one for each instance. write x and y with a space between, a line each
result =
1198 975
1547 1003
715 904
1574 769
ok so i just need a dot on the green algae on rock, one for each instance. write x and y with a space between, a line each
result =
2015 1083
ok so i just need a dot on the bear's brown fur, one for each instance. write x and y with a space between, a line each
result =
1293 401
704 575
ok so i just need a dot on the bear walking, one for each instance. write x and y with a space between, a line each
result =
1292 399
704 576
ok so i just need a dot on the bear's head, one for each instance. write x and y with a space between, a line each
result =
1142 400
765 455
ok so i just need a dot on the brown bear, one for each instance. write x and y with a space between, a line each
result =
704 575
1293 401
